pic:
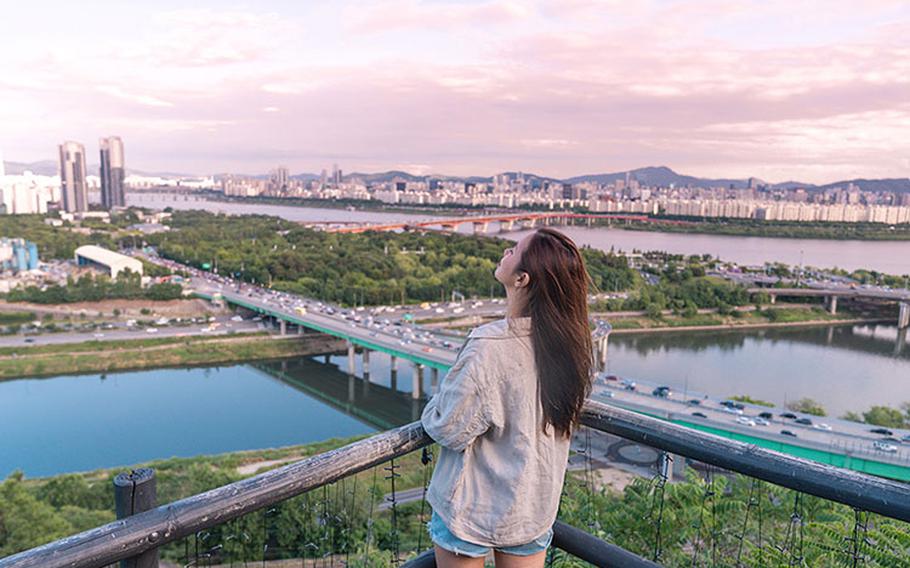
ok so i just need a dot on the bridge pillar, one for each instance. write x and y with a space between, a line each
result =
901 341
830 338
351 368
352 386
903 315
506 226
480 228
393 379
589 221
417 382
831 304
283 326
328 359
366 364
434 379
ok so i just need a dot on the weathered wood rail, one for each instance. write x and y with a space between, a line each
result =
149 530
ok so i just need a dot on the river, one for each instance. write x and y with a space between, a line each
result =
892 257
77 423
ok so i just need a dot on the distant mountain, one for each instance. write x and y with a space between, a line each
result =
41 168
662 176
894 185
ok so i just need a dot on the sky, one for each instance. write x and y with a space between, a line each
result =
815 91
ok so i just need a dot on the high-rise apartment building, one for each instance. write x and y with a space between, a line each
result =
279 180
112 172
73 190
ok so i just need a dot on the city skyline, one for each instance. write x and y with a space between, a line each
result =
813 93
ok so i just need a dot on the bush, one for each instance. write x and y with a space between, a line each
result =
807 406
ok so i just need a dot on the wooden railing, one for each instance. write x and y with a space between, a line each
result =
146 531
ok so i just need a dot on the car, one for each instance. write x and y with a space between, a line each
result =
884 446
151 330
99 335
629 384
662 392
788 433
694 401
29 339
699 414
883 431
766 415
608 394
906 438
732 410
891 440
759 421
745 420
611 378
788 415
804 421
822 426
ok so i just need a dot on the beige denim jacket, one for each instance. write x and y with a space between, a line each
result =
498 477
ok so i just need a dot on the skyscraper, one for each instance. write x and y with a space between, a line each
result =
72 177
112 172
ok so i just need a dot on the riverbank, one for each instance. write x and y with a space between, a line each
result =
746 318
693 225
134 354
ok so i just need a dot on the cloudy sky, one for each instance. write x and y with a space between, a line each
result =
816 90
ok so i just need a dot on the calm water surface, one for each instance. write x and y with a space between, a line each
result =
77 423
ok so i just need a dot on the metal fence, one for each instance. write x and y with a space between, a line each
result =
695 500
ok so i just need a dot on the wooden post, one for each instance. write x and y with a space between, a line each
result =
417 381
135 492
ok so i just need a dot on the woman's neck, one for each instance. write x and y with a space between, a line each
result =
515 304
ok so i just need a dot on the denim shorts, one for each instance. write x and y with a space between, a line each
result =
441 536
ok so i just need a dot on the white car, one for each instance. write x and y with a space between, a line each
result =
745 420
151 330
732 410
759 421
884 447
822 426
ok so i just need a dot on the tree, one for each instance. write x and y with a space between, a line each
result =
807 406
885 416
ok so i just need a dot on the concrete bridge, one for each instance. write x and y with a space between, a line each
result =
831 295
841 450
507 222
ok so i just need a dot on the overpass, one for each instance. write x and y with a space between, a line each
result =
841 448
831 295
507 222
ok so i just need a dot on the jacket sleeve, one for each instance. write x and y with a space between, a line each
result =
457 414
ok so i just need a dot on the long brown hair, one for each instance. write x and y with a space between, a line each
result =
557 302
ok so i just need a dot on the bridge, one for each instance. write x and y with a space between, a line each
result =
844 449
507 222
831 295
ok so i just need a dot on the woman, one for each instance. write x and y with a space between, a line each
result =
505 412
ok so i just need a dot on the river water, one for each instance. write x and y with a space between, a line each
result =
892 257
77 423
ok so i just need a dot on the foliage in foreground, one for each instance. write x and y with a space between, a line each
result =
705 520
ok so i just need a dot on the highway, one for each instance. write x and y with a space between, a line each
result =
438 351
119 331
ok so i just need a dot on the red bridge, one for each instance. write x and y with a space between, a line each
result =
481 224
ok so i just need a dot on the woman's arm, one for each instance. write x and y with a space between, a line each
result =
457 414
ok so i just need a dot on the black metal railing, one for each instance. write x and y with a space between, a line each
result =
363 505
